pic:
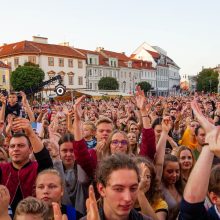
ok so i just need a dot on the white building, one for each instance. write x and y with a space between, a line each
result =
52 59
168 77
104 63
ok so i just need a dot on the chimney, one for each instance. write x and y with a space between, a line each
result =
38 39
98 49
65 44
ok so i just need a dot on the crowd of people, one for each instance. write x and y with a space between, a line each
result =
120 159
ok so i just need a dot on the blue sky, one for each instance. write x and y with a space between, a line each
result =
188 30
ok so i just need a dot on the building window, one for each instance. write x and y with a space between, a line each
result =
70 62
70 80
16 61
80 81
90 60
50 61
90 85
32 59
61 62
80 64
100 72
3 79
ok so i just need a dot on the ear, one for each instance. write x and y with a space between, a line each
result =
62 192
101 189
213 197
31 149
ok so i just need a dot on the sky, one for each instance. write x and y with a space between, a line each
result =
188 30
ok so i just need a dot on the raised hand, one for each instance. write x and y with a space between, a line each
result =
24 99
77 107
22 124
57 212
213 140
204 122
166 124
140 99
143 177
3 99
91 205
4 201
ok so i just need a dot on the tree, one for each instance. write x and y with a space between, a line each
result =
146 86
207 80
27 76
108 83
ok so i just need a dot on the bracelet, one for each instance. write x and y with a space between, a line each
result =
145 116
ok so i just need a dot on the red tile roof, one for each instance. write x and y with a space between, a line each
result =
155 55
31 47
85 52
2 65
140 64
119 56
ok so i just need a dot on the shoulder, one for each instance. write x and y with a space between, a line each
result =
160 205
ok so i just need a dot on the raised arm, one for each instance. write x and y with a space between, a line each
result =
197 185
85 158
4 201
24 124
2 111
27 107
161 146
148 143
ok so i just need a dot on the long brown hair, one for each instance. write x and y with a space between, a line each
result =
154 193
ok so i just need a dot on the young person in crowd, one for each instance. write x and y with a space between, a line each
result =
50 188
117 183
21 172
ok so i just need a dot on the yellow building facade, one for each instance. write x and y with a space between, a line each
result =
4 76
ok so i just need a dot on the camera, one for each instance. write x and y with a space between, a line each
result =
60 89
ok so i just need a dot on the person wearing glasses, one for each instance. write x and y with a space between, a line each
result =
116 142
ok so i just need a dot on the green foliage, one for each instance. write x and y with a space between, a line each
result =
27 76
207 80
108 83
146 86
31 64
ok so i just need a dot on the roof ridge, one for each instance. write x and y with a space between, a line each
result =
31 43
77 50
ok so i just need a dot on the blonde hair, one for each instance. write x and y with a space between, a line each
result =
53 172
31 205
104 120
91 124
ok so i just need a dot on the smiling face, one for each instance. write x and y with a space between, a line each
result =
119 143
186 160
171 172
119 194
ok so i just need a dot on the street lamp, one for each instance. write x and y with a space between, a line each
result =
124 85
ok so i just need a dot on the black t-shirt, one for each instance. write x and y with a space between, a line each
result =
193 211
15 109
